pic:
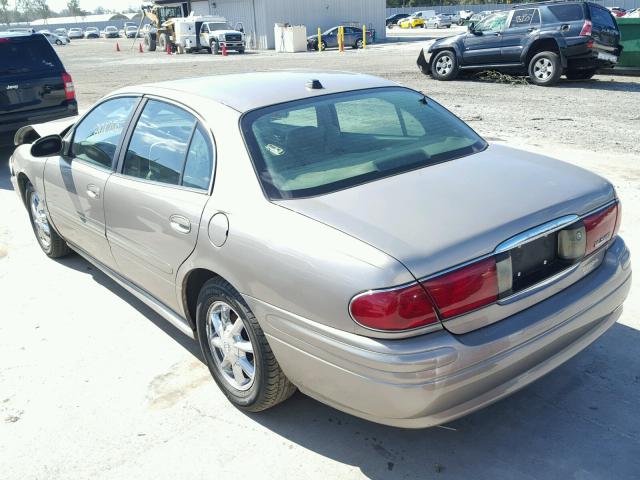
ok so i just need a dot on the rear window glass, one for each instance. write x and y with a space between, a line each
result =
331 142
602 17
27 54
568 13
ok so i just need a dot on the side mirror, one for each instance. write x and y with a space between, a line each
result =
47 146
471 27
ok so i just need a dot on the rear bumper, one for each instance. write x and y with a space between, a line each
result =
438 377
11 122
580 56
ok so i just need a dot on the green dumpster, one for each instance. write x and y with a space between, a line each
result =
630 40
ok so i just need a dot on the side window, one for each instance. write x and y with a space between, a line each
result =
159 143
97 136
493 23
303 117
567 13
197 170
204 29
412 125
372 116
524 18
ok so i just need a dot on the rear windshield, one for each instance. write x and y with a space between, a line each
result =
570 12
27 54
331 142
602 17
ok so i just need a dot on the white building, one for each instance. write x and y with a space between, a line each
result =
259 16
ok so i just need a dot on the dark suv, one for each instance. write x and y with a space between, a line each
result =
34 86
545 39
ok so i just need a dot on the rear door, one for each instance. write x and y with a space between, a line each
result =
524 23
30 74
154 204
604 28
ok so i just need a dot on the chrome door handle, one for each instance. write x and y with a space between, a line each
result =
93 191
180 224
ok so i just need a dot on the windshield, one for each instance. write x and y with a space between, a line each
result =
331 142
219 26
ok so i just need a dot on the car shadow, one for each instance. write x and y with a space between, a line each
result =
580 418
612 85
5 152
78 263
583 417
491 76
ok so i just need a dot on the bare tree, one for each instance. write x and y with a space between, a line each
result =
4 11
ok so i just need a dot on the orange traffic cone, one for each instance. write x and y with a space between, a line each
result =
117 47
224 50
140 47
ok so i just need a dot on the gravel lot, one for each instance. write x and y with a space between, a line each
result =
95 385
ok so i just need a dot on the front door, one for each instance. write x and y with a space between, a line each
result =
524 23
75 182
482 45
154 204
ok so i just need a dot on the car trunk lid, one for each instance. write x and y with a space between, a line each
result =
444 215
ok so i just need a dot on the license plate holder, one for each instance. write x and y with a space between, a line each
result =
535 261
609 57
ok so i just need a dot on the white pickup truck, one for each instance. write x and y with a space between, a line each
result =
217 32
194 33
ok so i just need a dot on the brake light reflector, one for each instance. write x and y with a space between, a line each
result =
600 227
586 29
398 309
69 89
465 289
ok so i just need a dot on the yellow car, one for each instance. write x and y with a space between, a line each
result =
411 22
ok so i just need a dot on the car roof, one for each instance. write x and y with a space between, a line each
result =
248 91
15 34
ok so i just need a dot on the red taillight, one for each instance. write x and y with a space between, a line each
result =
600 227
465 289
5 40
586 29
618 219
398 309
69 90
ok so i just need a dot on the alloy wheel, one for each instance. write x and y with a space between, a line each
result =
543 69
444 65
230 346
40 221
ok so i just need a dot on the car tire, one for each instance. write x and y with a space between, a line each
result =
149 43
444 65
52 244
214 47
58 42
163 41
241 50
324 45
580 74
254 381
358 44
545 68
